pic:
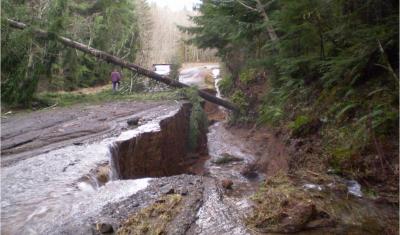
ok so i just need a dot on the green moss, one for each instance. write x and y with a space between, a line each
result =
247 76
299 122
66 99
240 100
152 220
226 85
270 202
339 156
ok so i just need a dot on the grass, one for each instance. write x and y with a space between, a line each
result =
279 194
154 218
67 99
270 199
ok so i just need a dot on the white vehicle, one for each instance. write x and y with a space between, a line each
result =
162 69
216 72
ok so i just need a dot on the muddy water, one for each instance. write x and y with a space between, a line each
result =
40 193
223 210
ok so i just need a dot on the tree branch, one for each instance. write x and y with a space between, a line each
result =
119 62
247 6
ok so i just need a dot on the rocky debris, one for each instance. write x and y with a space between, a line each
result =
188 188
354 188
227 184
102 174
168 191
154 218
250 171
104 228
217 216
133 121
226 158
296 218
313 187
284 207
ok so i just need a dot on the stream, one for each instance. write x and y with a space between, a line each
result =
72 185
223 211
41 192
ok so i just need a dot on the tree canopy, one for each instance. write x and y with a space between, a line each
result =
29 63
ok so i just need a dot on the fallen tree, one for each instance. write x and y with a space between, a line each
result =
120 62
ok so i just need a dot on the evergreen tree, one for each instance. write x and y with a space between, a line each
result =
27 61
335 61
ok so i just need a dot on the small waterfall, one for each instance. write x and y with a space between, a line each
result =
71 184
114 165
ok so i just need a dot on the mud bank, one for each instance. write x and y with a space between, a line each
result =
154 150
348 207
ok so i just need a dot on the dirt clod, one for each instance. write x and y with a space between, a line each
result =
104 228
249 171
133 121
227 184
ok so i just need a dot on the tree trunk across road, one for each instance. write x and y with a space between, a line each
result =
120 62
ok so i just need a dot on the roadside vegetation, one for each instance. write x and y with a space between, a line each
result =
154 218
134 30
49 99
32 64
322 71
198 120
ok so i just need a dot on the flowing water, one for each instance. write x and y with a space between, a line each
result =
223 212
43 192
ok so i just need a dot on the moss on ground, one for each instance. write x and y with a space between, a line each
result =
66 99
271 200
282 203
154 219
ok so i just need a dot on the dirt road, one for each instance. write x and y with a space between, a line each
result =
26 135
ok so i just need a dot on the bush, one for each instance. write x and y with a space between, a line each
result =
198 119
247 76
300 121
226 85
240 100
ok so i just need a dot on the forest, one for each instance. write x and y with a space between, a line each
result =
331 71
275 116
135 31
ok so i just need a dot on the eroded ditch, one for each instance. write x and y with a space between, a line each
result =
72 184
99 187
73 190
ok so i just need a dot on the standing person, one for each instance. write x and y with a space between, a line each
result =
115 79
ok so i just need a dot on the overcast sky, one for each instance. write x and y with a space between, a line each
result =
176 4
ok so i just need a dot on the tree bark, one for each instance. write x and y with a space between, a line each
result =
270 29
118 61
260 8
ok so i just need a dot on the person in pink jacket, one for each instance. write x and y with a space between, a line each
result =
115 79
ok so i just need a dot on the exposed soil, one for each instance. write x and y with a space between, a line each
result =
271 154
157 150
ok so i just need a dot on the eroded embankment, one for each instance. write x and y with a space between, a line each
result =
154 150
45 192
